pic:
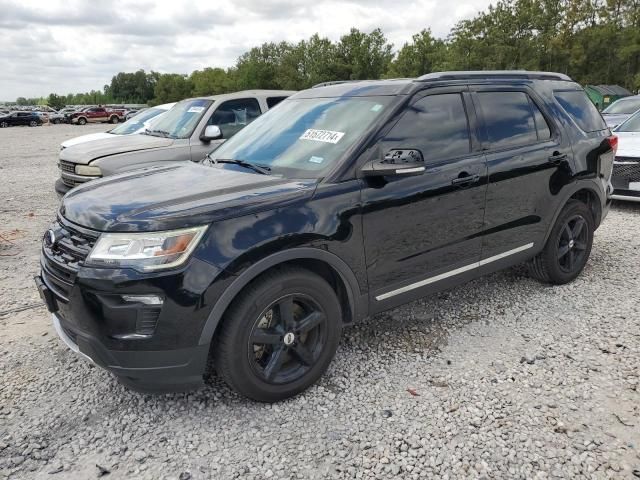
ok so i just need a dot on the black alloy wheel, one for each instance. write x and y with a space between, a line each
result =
568 246
33 123
287 339
572 244
279 335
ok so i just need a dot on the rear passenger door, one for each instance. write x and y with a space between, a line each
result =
526 162
423 233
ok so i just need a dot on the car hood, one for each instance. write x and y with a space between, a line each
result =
86 152
85 138
614 119
179 195
628 144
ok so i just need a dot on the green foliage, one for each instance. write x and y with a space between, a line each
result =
594 41
172 87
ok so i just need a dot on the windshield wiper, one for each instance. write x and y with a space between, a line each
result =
263 169
163 133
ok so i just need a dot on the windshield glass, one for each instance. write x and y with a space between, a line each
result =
625 105
632 124
304 137
136 123
181 120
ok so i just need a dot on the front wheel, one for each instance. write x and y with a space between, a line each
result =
568 247
279 336
33 123
82 121
113 119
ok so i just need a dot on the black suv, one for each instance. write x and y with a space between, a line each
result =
31 119
344 201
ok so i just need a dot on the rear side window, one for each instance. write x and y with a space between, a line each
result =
581 109
273 101
436 125
509 119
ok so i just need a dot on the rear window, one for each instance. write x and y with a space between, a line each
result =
581 109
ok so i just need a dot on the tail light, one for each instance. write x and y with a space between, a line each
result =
613 143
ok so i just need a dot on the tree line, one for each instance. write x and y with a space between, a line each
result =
593 41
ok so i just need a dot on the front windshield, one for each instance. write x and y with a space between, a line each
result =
136 123
632 124
304 137
623 106
181 120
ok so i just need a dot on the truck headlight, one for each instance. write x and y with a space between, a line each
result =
88 170
145 251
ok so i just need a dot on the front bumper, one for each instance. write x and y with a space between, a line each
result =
143 371
143 327
626 179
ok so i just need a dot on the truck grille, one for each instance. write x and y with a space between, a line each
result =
627 168
67 166
62 259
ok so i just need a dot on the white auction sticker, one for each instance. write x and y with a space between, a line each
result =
326 136
195 110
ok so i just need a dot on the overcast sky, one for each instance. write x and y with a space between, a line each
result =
65 46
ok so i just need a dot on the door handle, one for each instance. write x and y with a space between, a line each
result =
465 179
557 157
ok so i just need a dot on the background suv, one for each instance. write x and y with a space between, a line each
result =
342 202
181 134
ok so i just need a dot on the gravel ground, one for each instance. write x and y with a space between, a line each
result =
501 378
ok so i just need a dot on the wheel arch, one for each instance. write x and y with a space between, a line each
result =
587 193
329 266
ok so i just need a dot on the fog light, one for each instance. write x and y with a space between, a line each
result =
145 299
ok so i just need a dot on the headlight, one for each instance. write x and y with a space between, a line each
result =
145 251
90 171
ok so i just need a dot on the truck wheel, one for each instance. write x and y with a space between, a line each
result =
113 119
279 336
568 247
82 121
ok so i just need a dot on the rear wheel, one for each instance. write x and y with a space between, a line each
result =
4 124
56 121
113 119
568 247
279 336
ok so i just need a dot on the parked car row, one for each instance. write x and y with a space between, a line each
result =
343 201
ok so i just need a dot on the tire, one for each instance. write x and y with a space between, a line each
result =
82 121
568 247
56 121
268 356
33 123
4 125
113 119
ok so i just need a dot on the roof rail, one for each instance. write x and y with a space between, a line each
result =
462 75
334 82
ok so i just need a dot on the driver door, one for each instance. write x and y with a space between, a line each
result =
422 233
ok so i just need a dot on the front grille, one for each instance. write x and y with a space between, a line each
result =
67 166
628 171
62 259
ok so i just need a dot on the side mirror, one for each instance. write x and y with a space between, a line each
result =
211 132
396 162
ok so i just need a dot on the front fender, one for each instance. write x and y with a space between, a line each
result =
357 302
